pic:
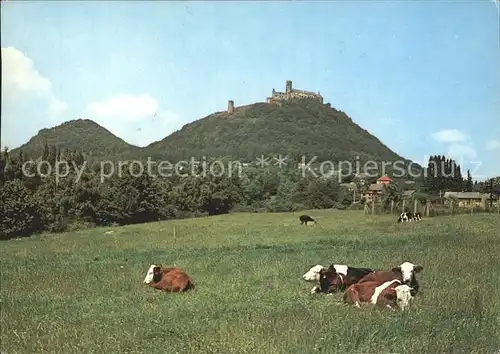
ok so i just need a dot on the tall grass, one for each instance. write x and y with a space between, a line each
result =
68 293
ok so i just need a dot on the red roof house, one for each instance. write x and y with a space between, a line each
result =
384 180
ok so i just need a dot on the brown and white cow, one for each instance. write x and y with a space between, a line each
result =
338 278
170 279
388 294
405 273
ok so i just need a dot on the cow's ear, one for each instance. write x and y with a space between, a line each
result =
331 268
418 269
396 269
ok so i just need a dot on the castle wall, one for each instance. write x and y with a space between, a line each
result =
277 97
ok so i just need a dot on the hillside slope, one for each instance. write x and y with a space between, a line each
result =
295 128
84 135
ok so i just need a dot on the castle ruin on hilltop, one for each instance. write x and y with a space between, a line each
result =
290 93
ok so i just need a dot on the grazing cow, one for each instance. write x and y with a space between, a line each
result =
389 294
170 279
338 274
304 219
339 277
405 273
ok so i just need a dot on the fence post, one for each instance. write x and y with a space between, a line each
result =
415 206
175 236
428 208
404 202
373 207
392 207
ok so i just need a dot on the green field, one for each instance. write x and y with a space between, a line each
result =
68 293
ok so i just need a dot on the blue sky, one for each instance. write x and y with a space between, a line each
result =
422 76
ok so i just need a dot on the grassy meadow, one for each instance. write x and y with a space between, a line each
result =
82 292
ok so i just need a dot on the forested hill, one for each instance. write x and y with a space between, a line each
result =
83 135
295 128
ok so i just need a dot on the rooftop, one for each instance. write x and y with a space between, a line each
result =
409 192
376 187
466 195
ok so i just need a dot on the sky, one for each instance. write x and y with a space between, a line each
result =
422 76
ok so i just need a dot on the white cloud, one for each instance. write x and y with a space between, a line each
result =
28 102
21 78
492 144
450 136
125 107
137 119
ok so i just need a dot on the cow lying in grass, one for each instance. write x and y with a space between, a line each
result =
388 294
408 216
405 274
336 278
172 280
340 277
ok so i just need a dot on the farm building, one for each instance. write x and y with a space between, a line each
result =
374 192
469 199
408 193
384 180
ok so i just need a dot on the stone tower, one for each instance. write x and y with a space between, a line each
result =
288 86
230 106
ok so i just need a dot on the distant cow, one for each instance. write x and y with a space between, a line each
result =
405 273
304 219
340 277
417 216
389 294
405 216
336 273
170 279
408 216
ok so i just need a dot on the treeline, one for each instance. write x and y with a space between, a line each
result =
36 200
444 174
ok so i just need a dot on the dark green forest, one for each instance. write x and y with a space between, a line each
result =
32 201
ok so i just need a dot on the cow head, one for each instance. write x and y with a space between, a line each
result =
403 296
157 274
325 279
150 274
408 271
330 279
313 274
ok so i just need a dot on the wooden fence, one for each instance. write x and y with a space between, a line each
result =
427 209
